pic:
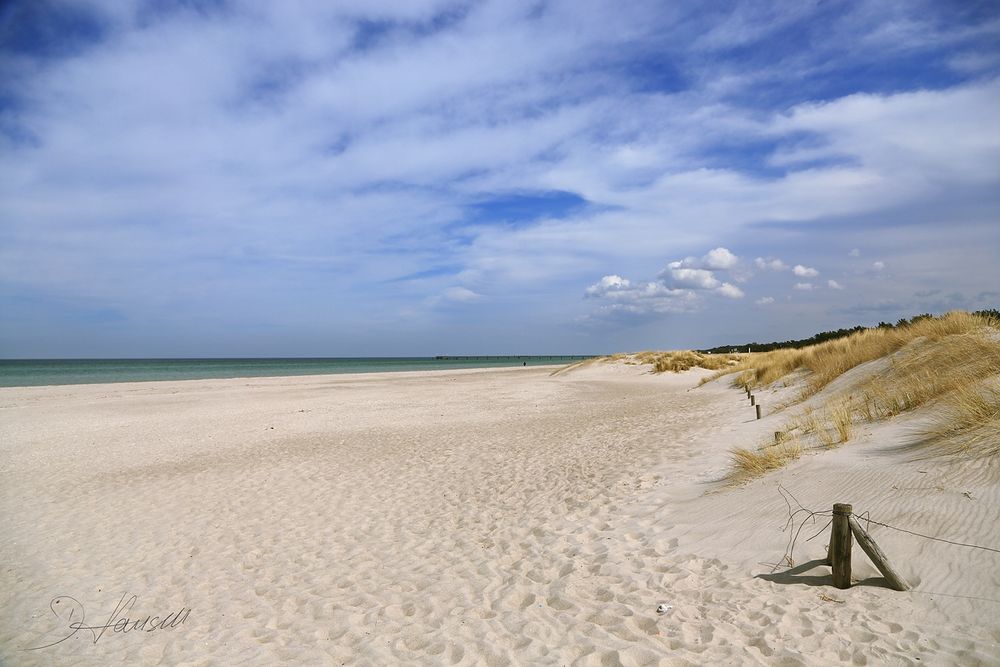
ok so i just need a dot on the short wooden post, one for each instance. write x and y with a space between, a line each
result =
753 400
877 556
840 545
777 436
758 410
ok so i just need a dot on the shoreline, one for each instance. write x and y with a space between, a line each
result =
286 377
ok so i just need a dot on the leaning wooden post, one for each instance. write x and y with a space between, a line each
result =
877 556
840 545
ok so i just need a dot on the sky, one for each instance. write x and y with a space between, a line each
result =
387 178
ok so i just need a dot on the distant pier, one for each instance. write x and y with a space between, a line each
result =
517 357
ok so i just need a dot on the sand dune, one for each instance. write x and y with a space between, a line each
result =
471 518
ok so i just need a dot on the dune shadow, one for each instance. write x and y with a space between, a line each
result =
797 575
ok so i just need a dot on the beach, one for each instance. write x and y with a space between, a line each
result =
468 517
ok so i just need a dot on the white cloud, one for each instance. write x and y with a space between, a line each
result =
833 284
855 252
720 258
730 291
765 300
608 284
770 264
805 271
878 266
622 297
692 278
887 136
679 287
803 286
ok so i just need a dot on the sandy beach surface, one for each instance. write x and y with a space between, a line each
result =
481 517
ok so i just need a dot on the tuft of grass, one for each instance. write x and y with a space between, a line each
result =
843 421
662 362
682 360
747 463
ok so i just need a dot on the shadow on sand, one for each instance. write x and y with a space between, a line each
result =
798 575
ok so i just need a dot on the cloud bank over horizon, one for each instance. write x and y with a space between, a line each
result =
377 178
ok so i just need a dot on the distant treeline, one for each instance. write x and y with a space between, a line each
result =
824 336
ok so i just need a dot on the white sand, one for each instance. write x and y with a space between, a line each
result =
473 517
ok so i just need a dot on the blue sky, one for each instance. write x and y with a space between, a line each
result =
366 178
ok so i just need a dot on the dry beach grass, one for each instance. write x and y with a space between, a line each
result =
950 361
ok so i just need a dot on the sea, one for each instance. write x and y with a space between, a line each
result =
38 372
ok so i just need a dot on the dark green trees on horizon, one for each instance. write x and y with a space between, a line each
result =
824 336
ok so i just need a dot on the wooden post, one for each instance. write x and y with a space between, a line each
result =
840 545
753 400
877 556
758 411
777 436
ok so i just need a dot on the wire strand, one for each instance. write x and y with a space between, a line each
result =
930 537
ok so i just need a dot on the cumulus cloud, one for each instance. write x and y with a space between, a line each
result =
720 258
730 291
690 278
833 284
678 288
805 271
765 300
878 266
803 286
608 284
622 296
772 264
855 252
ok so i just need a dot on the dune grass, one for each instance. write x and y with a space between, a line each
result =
674 361
969 422
827 361
952 359
682 360
748 463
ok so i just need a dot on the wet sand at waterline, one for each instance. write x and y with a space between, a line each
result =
475 517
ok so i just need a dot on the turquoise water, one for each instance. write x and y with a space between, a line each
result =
35 372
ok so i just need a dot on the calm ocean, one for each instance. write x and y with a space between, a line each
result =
34 372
